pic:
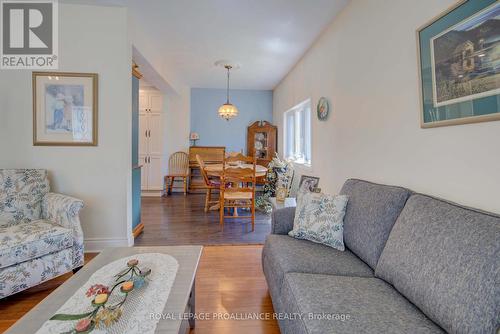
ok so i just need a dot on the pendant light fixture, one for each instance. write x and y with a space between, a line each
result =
228 110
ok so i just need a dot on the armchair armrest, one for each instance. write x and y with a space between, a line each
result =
64 211
282 220
60 209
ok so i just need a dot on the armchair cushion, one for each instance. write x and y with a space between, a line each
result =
30 273
23 242
21 194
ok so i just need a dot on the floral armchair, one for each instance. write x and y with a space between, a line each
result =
40 232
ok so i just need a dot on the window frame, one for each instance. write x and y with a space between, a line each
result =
307 135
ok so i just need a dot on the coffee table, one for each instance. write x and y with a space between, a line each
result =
180 300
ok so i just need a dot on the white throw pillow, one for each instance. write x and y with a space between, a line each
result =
320 218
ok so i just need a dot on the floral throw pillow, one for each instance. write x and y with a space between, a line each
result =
320 218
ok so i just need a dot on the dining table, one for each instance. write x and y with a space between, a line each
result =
216 170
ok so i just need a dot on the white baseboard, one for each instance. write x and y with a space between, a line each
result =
151 193
95 245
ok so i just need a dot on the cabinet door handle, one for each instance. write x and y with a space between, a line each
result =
149 133
146 133
145 160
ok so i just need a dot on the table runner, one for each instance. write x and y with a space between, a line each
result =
136 317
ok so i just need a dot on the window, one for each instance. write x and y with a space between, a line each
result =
298 133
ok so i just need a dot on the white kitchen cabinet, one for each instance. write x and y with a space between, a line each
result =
151 141
155 175
155 134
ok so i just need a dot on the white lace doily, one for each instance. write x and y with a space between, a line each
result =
136 317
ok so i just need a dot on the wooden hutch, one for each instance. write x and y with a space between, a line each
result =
262 141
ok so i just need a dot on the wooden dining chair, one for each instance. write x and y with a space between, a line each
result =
237 188
211 184
178 167
237 156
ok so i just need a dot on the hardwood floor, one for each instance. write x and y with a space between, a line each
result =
229 280
181 220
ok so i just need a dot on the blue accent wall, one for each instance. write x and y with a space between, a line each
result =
253 105
136 172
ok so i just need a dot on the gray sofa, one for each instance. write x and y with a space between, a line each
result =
413 264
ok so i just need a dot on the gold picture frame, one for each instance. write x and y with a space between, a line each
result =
65 109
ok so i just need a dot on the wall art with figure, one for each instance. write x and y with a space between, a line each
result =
65 109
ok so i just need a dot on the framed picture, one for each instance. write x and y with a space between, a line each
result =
64 109
281 194
459 65
308 183
323 109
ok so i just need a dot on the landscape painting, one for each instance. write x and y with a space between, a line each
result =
466 59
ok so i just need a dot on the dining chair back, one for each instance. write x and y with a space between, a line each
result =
238 157
178 163
178 167
203 172
237 188
209 183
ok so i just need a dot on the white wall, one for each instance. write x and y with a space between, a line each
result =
91 39
366 64
177 120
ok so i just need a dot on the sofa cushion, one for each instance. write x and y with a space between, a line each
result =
339 304
283 254
21 194
446 260
371 212
23 242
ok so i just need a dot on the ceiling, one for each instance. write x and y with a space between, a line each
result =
266 37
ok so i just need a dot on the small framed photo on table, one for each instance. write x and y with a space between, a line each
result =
281 194
64 109
308 183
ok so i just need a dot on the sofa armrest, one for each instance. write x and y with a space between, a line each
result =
64 211
282 220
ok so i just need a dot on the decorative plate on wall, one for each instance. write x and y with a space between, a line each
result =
323 109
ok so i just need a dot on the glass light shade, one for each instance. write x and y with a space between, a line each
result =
228 111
